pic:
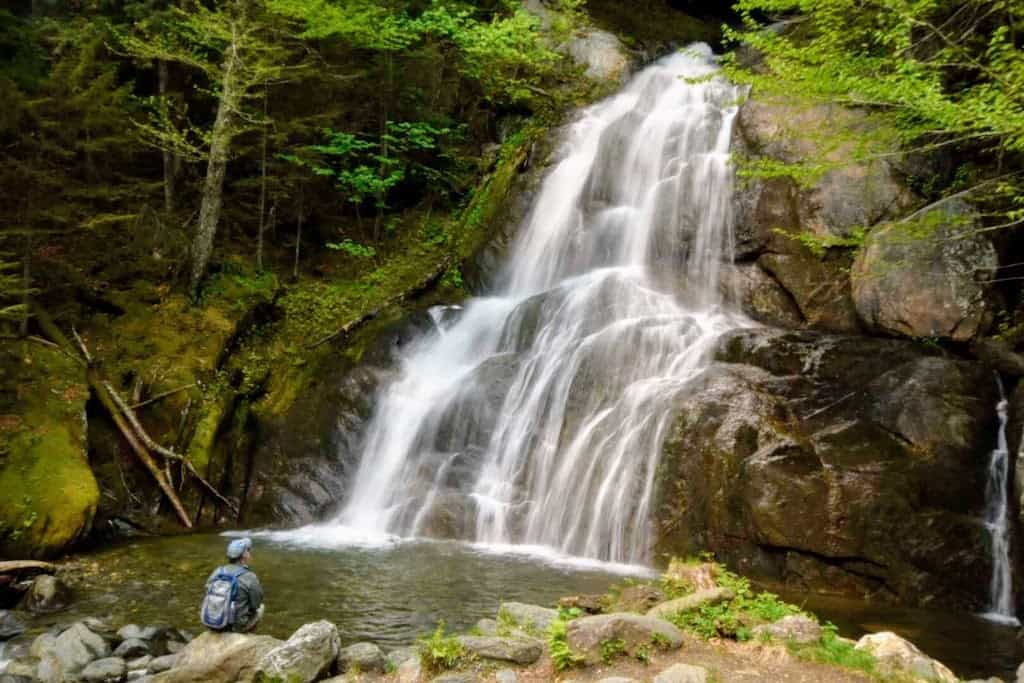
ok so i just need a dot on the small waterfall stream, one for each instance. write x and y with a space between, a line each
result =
536 418
998 524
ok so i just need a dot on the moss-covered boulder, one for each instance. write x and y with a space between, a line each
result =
48 495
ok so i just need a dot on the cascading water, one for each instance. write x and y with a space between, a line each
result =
537 417
997 522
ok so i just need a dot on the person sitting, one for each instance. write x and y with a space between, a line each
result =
234 596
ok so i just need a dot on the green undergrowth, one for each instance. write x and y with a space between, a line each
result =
440 652
562 655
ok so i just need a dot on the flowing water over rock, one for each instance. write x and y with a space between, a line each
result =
536 417
997 522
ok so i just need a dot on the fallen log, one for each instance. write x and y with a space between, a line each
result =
27 567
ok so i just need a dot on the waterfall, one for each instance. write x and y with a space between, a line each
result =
536 417
998 524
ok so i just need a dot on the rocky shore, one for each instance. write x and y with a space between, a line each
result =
698 624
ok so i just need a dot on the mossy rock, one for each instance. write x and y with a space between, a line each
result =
48 495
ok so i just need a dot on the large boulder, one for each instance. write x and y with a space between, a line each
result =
306 656
219 658
835 464
530 617
927 278
760 295
896 655
366 658
603 55
48 494
586 634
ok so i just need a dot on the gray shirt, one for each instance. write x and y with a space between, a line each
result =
249 596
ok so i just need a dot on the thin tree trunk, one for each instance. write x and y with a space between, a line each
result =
26 283
263 184
220 145
170 164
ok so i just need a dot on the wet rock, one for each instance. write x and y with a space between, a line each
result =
795 628
308 654
683 673
530 617
585 634
218 658
363 657
708 596
928 281
46 594
65 655
161 664
515 649
759 295
109 670
820 289
10 625
133 632
140 663
898 655
506 676
133 647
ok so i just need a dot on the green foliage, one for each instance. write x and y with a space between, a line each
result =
835 651
660 641
561 654
929 76
612 648
439 652
820 244
353 248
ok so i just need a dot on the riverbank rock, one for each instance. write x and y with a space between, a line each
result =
219 658
364 657
683 673
927 278
898 655
48 494
10 625
837 464
161 664
63 656
795 628
108 670
707 596
308 654
585 634
518 650
530 617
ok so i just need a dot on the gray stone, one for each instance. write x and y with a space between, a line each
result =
97 625
306 656
506 676
683 673
515 649
487 627
927 282
759 295
585 634
133 647
109 670
898 655
68 653
602 53
140 663
161 664
10 625
364 657
46 594
796 628
175 646
395 658
530 617
133 632
218 658
708 596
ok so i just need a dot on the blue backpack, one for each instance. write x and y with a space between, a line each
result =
219 610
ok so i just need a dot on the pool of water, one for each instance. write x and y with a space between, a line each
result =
389 594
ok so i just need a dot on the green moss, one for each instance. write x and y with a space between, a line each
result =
48 494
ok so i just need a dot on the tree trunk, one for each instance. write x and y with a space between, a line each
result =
263 185
170 164
220 146
26 283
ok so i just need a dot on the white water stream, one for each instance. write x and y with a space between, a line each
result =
536 419
997 522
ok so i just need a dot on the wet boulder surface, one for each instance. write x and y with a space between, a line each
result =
835 464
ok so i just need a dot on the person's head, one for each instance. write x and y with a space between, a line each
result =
240 550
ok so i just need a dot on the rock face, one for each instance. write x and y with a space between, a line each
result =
219 658
835 464
602 53
307 655
928 278
586 634
897 655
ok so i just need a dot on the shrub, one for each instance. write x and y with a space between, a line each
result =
440 652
